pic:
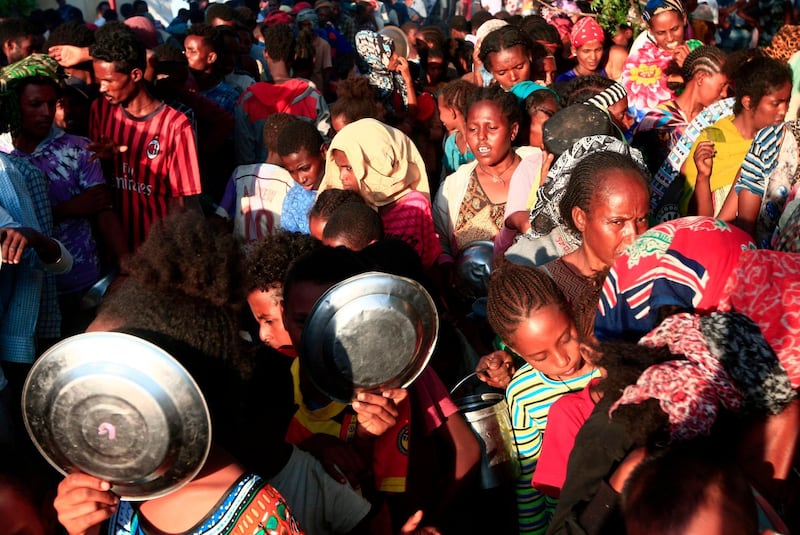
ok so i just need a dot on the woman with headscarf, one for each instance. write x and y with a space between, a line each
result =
387 72
647 72
77 188
385 167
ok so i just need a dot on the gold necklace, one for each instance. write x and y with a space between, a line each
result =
498 178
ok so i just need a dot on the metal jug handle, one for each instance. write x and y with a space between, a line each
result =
467 378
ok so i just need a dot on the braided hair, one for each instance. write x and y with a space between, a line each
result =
707 59
456 94
588 179
514 292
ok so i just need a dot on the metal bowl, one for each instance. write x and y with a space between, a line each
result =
368 333
119 408
474 266
399 39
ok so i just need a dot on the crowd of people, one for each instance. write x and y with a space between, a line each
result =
605 214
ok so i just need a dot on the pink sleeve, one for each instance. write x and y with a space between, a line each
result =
564 420
434 400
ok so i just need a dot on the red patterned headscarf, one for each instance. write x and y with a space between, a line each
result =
586 30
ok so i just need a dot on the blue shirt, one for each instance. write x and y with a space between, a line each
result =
296 206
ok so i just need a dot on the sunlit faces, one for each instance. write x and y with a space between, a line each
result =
771 109
267 309
116 86
198 54
589 56
489 133
306 168
348 179
711 88
510 66
667 29
617 214
548 340
38 108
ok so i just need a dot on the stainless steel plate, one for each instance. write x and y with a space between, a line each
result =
370 332
119 408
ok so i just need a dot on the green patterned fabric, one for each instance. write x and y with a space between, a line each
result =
34 66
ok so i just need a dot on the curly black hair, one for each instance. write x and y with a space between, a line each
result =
273 126
220 11
757 78
203 30
267 260
505 101
582 88
279 42
357 99
70 33
502 39
589 178
15 28
117 44
298 135
330 200
354 225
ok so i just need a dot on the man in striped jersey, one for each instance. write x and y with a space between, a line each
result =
148 149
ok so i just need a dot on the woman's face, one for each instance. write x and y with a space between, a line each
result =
667 29
617 215
589 56
711 88
548 340
349 180
489 133
771 109
510 66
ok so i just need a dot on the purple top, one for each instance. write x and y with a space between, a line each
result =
64 160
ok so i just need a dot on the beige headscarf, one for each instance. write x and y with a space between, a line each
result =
384 159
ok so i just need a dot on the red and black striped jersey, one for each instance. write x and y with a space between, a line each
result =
160 163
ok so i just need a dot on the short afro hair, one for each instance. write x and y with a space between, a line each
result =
330 200
220 11
273 126
279 42
70 33
354 225
299 135
118 44
267 260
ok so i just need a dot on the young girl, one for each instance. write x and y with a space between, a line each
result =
384 165
587 40
506 53
452 102
529 314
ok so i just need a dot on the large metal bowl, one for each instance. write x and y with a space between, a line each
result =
368 333
119 408
474 266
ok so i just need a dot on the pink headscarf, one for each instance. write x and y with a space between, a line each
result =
145 31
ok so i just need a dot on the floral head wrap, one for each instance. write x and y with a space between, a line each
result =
385 161
376 51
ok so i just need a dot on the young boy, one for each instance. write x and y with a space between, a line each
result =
255 193
302 152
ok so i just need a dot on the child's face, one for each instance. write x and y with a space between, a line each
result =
510 66
306 168
268 312
349 180
198 55
539 115
548 340
589 55
297 307
448 116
